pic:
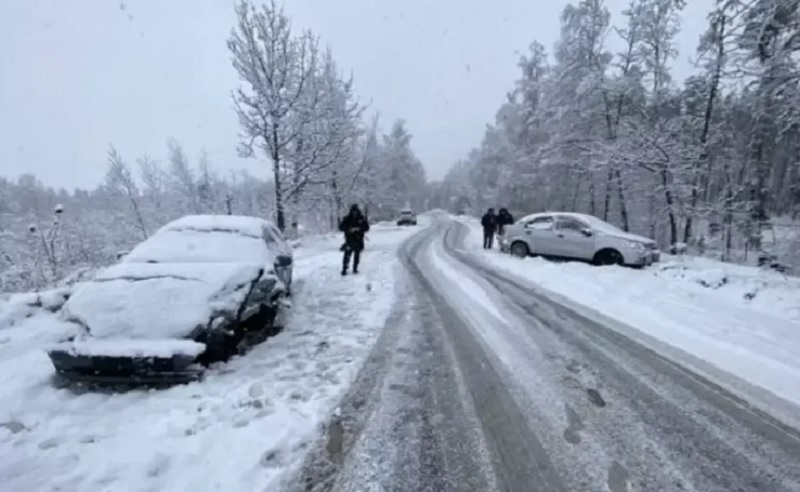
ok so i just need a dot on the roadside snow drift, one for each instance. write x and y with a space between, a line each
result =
243 428
741 319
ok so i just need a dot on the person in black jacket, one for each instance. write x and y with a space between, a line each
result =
489 223
354 225
504 218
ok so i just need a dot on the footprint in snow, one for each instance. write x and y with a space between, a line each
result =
158 464
13 426
256 390
49 443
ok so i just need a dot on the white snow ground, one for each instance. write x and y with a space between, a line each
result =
244 428
741 319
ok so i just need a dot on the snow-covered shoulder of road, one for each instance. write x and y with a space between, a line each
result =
245 427
743 320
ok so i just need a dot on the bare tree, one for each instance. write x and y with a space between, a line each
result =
274 105
119 179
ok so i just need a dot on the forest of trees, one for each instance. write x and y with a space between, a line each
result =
298 116
712 160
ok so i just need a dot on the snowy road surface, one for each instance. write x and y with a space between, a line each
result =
480 382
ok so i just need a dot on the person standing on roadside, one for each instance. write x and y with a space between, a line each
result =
354 226
504 218
489 223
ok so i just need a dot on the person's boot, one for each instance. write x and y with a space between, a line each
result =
344 272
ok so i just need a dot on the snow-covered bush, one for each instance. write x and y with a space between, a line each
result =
17 307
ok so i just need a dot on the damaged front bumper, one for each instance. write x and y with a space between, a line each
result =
99 369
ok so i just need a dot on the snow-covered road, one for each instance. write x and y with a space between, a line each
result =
443 368
513 391
241 429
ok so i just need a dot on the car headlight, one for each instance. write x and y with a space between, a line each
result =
636 245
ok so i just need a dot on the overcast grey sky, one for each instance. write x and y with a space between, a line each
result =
77 75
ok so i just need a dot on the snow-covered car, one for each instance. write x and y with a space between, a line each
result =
407 217
198 291
578 236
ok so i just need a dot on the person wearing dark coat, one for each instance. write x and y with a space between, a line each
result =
504 218
489 223
354 226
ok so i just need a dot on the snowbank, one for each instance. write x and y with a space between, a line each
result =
245 427
741 319
15 308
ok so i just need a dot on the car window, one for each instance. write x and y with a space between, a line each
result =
269 236
541 223
276 232
570 224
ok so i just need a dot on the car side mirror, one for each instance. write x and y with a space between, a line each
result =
283 261
587 232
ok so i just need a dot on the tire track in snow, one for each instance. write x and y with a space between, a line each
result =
665 428
406 424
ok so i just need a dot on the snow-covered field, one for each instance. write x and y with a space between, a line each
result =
243 428
741 319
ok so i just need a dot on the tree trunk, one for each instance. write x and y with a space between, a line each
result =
139 219
727 218
576 193
709 112
280 217
607 198
673 225
623 206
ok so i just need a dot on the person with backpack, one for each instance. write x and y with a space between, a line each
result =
489 223
354 225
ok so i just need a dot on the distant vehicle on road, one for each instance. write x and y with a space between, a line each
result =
578 236
407 217
198 291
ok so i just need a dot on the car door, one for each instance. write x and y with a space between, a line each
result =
281 252
572 240
540 235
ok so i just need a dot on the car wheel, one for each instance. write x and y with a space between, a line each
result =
219 348
520 249
608 257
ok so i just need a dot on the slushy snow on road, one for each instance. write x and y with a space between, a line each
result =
741 319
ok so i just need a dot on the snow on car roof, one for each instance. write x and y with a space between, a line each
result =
157 301
245 225
596 224
195 246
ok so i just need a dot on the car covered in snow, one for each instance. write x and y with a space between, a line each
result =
407 217
198 291
578 236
